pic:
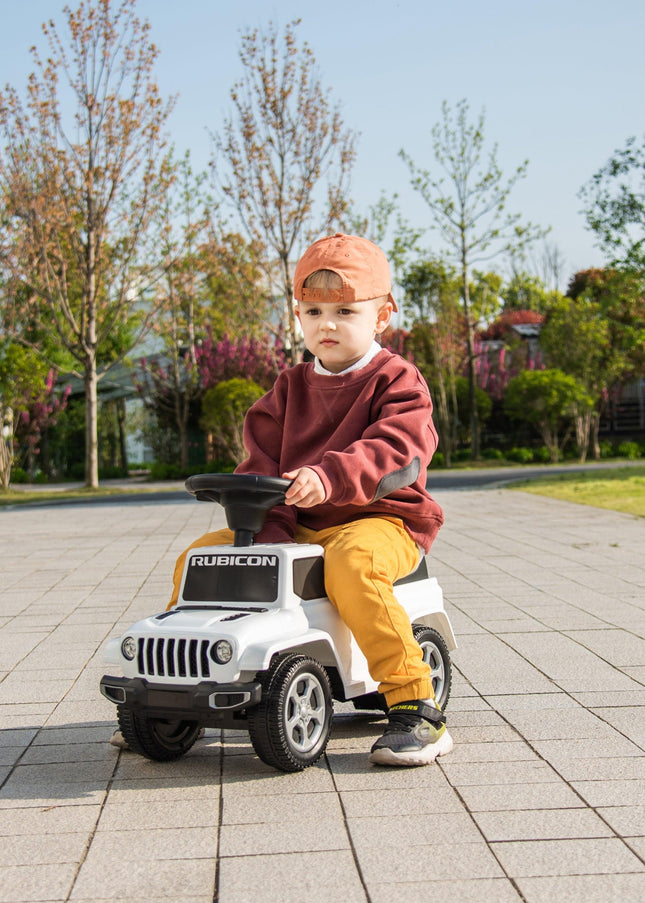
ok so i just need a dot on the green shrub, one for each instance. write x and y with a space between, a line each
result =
541 455
111 473
159 470
492 454
630 450
438 460
520 455
606 449
77 471
18 475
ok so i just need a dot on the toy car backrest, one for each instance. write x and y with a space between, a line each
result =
309 579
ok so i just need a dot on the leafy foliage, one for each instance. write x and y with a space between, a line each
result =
223 410
547 399
249 358
28 406
283 140
614 201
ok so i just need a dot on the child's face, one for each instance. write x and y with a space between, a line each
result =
340 334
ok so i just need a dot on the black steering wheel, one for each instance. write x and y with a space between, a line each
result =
245 497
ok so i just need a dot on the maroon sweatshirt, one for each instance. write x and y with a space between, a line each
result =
369 436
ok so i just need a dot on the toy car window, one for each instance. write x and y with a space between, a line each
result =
231 577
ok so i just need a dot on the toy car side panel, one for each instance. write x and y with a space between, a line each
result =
423 601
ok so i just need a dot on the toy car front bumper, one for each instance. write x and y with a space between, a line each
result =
204 697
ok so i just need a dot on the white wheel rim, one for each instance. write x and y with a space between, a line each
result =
432 657
304 713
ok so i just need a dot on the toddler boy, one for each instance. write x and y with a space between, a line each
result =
353 430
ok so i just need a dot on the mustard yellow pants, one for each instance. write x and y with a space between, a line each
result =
363 558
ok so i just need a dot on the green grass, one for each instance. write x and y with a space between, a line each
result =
622 489
22 497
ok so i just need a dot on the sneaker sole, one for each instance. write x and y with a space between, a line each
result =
411 758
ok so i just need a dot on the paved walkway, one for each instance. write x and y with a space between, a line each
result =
542 799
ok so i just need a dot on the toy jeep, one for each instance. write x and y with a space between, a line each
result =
253 643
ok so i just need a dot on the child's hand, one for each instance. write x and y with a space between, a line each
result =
306 490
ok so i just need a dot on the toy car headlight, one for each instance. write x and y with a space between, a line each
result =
129 648
222 652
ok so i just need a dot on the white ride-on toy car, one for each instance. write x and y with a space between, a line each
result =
253 643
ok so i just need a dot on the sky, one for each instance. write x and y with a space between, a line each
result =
561 83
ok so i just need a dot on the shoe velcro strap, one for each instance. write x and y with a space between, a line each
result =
428 712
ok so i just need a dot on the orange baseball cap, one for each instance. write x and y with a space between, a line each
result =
361 265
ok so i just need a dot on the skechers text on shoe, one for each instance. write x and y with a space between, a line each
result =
415 735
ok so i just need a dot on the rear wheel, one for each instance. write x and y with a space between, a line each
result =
291 724
436 655
156 738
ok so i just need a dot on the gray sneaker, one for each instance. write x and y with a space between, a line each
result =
415 735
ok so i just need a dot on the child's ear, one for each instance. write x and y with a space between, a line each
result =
297 312
383 317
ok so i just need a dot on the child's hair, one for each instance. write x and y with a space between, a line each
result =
328 279
323 279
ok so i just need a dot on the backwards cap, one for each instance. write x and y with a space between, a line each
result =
361 265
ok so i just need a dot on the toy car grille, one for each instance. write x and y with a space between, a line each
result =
161 657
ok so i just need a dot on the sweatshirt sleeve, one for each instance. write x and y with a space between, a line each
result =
263 430
394 450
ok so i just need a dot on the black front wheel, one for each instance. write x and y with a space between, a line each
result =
156 738
290 726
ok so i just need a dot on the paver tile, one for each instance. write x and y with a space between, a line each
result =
319 876
450 861
129 844
541 824
304 835
154 878
565 857
628 821
584 888
490 890
36 882
516 797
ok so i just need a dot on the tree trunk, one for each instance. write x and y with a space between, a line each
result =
595 442
289 311
6 457
91 424
582 424
120 416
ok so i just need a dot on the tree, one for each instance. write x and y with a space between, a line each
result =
549 401
28 405
81 197
169 383
526 292
223 411
614 201
576 340
597 333
431 302
282 141
469 211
